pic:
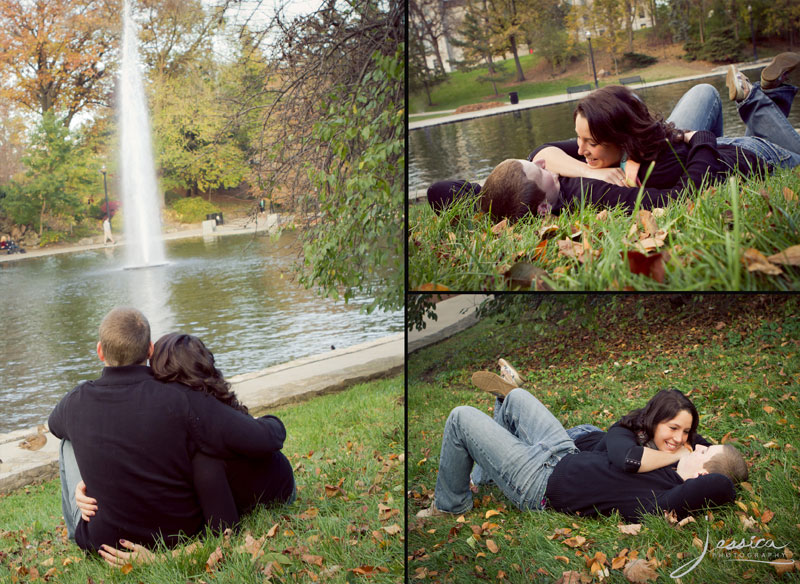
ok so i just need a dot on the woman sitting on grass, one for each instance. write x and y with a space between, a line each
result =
616 131
226 489
654 436
529 455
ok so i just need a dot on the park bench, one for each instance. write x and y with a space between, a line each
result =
579 88
629 80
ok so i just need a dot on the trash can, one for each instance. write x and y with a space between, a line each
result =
216 217
514 97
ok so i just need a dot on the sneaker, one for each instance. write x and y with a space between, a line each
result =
738 85
493 383
431 511
508 373
775 73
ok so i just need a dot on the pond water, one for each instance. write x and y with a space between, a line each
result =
471 149
235 292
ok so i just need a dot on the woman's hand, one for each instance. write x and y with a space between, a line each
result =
615 176
86 504
118 558
688 135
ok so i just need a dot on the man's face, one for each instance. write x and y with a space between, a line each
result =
546 180
693 465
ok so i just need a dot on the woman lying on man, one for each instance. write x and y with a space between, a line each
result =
617 133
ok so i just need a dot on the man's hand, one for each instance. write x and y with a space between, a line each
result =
86 504
118 558
688 135
614 176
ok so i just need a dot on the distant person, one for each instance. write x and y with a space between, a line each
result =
107 231
142 445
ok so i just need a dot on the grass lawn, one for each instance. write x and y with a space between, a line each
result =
591 359
716 239
347 524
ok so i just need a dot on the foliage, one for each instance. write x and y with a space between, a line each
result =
734 355
344 526
722 47
418 308
548 36
637 60
420 76
193 209
710 240
54 53
58 171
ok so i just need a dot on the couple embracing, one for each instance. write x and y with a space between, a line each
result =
161 451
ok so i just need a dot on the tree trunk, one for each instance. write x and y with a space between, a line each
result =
41 219
520 75
702 22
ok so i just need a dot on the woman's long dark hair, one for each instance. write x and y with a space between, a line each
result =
616 115
185 359
663 406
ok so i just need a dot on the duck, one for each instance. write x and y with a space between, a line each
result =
34 441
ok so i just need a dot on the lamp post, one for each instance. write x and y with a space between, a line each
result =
105 189
752 33
591 54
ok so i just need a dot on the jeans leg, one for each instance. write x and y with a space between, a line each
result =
700 108
764 119
578 431
70 477
518 455
782 96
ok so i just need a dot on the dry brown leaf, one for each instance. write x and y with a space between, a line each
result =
630 529
569 577
430 287
524 275
789 194
639 571
649 224
788 257
492 546
576 541
755 261
252 545
767 516
311 559
272 531
547 231
214 559
491 513
602 215
393 529
564 559
127 568
618 562
500 227
769 409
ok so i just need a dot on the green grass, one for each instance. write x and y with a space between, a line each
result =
352 439
592 359
707 235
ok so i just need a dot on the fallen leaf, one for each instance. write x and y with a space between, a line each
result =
769 409
789 257
368 570
562 559
576 541
755 261
525 275
651 266
602 215
213 559
789 194
648 222
491 513
630 529
392 529
547 231
492 546
618 562
639 571
272 531
311 559
127 568
570 577
430 287
767 516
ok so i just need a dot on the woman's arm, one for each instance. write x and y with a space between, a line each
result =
561 163
653 459
625 453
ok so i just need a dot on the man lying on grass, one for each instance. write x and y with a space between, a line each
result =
527 453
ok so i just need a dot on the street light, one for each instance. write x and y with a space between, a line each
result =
105 189
752 34
591 53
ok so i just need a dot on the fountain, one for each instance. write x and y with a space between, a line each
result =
140 200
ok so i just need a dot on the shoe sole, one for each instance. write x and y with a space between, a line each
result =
730 81
780 65
491 382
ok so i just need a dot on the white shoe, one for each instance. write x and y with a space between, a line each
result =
431 511
738 85
508 373
493 383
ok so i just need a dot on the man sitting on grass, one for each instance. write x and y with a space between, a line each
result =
527 453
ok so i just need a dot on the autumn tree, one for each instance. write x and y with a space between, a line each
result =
509 20
54 54
338 115
428 19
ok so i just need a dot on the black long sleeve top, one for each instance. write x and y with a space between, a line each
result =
134 438
621 446
587 483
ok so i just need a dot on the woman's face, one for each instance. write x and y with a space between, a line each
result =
670 435
597 155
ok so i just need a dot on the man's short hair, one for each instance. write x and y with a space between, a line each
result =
125 337
508 192
729 462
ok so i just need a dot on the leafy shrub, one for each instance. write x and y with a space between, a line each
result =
635 60
194 209
51 237
722 47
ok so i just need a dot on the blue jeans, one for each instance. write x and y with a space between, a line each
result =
70 477
578 431
769 134
517 451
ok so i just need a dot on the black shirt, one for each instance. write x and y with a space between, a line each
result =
587 483
134 438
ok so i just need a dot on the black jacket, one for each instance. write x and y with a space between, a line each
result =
134 438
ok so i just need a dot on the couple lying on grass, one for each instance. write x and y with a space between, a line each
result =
650 461
161 451
627 149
